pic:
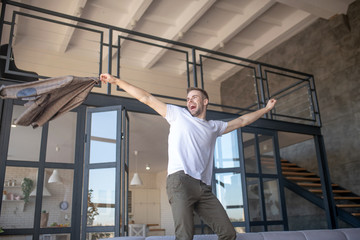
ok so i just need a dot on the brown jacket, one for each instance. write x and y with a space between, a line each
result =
49 98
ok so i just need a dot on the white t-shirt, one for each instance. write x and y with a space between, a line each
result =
191 143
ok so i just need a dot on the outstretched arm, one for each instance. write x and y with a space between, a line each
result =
138 93
250 117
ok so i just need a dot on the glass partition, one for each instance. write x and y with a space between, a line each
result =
101 197
229 192
227 151
24 142
308 216
267 156
103 137
255 210
61 139
251 163
57 198
18 205
272 199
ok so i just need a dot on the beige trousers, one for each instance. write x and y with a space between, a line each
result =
188 195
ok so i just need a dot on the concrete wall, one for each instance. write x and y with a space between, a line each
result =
330 50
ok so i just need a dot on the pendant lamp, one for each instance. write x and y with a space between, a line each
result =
55 177
46 192
136 180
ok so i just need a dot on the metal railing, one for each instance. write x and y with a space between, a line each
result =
246 85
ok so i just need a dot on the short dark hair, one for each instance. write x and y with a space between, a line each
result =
204 93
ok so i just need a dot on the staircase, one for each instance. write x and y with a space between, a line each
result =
347 203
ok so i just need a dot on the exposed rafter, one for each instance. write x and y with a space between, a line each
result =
76 10
189 16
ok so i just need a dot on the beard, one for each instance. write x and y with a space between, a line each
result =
195 113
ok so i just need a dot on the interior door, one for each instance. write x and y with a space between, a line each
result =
247 180
265 200
105 194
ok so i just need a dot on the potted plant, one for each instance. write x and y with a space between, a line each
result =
26 186
92 210
1 230
44 219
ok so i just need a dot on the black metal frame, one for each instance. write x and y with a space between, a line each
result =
261 71
120 169
260 176
261 81
41 165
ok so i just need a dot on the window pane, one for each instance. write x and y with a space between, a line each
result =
268 163
101 197
229 192
99 235
272 199
17 237
227 151
298 149
257 229
18 206
61 139
254 199
62 236
24 142
275 227
101 152
57 198
249 153
240 229
103 124
308 216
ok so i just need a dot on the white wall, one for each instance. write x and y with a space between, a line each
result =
167 222
144 201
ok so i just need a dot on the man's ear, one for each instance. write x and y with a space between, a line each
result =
206 101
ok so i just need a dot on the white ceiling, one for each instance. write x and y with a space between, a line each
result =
244 28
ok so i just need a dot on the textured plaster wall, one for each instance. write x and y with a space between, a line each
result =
330 50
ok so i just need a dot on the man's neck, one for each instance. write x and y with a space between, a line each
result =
202 115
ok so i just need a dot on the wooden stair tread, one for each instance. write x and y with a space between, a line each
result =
293 172
356 214
288 164
303 179
348 205
314 184
293 168
156 229
341 191
346 198
152 224
299 173
334 191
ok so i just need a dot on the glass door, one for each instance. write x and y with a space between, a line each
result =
104 212
264 190
228 174
247 180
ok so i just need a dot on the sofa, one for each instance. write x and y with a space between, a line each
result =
326 234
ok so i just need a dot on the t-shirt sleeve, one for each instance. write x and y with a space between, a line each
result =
222 127
171 112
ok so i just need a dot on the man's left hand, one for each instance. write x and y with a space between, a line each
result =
270 105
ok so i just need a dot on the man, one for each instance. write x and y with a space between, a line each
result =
191 148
